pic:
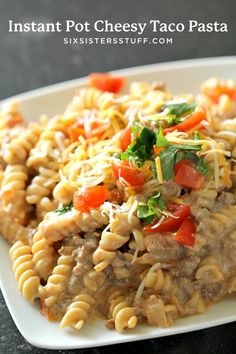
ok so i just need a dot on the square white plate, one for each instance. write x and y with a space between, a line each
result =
182 76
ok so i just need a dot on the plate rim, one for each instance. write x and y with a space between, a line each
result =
175 64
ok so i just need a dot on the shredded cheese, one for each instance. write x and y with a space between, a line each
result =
160 221
132 210
142 284
159 169
135 255
216 168
173 139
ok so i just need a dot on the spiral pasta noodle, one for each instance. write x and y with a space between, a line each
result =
13 192
60 274
43 255
23 268
78 312
159 281
18 149
73 222
12 231
119 309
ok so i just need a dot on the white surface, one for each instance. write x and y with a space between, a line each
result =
184 76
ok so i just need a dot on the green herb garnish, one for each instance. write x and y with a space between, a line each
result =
173 120
179 109
153 208
202 167
174 153
141 147
64 209
196 135
161 141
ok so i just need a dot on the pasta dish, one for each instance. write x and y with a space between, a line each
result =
123 206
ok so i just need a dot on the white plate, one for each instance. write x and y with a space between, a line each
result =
183 76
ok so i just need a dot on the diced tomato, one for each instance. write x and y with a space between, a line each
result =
214 93
125 138
187 176
106 82
179 164
158 150
90 198
187 124
75 133
179 212
186 233
123 169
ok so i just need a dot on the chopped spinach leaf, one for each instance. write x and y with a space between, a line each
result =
64 209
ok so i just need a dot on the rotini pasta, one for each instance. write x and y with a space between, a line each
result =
78 312
23 268
18 149
43 255
120 311
13 192
60 275
124 205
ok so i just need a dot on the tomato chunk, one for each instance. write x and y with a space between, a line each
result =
187 124
158 150
75 133
125 138
179 164
106 82
214 93
179 212
90 198
187 176
123 169
186 233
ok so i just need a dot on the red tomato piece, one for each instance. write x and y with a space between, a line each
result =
214 93
179 212
90 198
179 164
186 233
158 150
75 133
187 176
125 138
106 82
187 124
123 169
